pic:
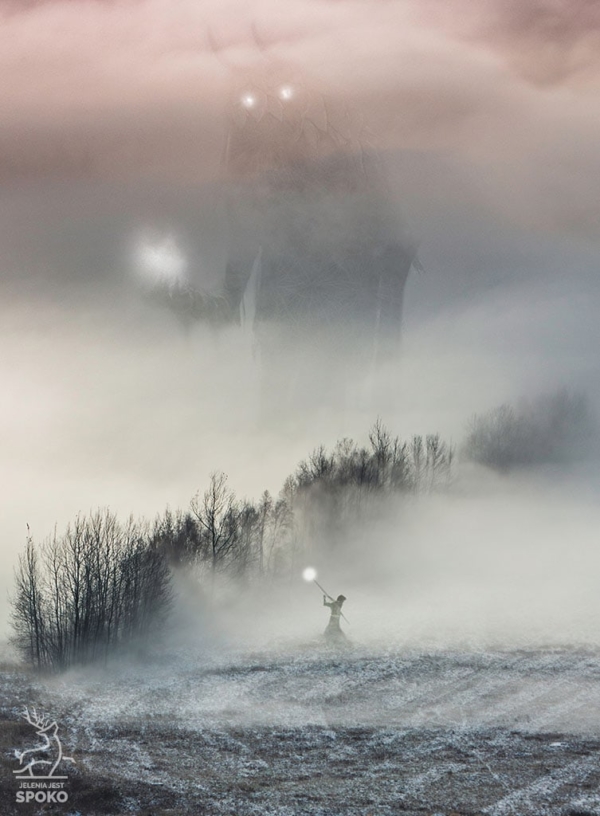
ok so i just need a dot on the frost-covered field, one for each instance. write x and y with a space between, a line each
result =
309 731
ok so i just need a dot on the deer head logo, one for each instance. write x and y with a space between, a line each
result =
51 747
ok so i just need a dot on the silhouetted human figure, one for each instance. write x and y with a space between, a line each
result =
334 633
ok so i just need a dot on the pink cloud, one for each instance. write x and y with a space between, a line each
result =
134 88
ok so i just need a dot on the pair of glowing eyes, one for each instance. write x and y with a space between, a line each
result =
285 93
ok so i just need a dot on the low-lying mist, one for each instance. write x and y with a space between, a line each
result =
486 560
108 401
492 564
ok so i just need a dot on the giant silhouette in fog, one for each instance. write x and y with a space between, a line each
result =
317 260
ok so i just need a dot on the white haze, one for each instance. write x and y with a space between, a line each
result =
108 403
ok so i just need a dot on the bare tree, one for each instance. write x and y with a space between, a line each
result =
27 616
90 592
217 514
265 511
103 585
179 536
248 542
553 429
338 491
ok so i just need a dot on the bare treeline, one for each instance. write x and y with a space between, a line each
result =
328 493
84 595
554 429
103 586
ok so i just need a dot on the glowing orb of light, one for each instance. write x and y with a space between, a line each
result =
160 260
309 574
248 100
286 92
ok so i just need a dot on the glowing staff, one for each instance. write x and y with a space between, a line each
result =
309 575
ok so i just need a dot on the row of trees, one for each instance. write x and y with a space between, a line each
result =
103 585
334 492
558 428
88 593
329 493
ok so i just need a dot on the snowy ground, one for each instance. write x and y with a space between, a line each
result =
310 731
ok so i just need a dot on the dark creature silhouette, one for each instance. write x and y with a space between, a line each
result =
317 261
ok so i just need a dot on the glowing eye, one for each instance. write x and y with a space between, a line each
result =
248 101
286 92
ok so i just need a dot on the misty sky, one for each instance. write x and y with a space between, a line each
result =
488 116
